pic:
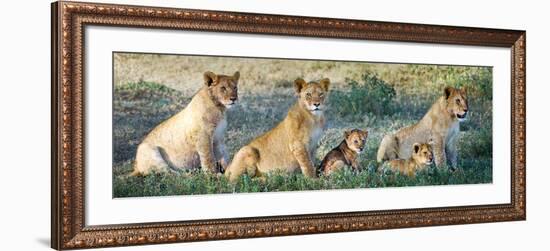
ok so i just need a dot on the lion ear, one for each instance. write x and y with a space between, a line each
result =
299 85
416 147
365 133
236 75
448 91
210 78
347 133
325 83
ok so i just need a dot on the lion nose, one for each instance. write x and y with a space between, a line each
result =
233 99
317 104
466 110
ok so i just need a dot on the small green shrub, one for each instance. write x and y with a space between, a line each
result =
477 144
370 96
479 83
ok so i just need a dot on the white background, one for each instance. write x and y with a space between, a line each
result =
101 209
25 58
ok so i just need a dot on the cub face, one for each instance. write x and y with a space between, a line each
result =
457 102
223 89
356 139
422 153
312 95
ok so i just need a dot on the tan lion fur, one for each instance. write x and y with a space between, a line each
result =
346 153
441 124
289 145
421 158
193 137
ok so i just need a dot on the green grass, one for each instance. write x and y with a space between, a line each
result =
382 100
197 182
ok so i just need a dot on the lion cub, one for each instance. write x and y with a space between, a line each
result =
193 137
440 123
421 158
346 153
289 145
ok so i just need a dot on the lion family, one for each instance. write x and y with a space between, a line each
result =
194 137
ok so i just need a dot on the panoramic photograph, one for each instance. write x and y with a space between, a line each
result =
195 124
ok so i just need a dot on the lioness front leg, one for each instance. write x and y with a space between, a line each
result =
439 152
220 155
299 150
206 154
452 153
354 165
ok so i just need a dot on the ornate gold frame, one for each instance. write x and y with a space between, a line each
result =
68 22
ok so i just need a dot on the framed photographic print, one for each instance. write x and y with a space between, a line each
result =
177 125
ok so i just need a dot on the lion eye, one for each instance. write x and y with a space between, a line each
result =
458 101
223 89
308 95
355 141
321 94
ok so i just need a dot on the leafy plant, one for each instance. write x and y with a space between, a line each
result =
370 96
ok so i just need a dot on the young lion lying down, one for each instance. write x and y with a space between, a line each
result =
346 153
289 145
421 158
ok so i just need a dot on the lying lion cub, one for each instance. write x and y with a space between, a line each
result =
289 145
421 158
194 136
346 153
441 123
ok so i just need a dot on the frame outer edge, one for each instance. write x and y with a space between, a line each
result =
519 121
67 228
523 41
56 225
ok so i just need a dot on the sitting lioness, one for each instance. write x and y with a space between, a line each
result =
193 137
289 145
346 153
441 123
421 158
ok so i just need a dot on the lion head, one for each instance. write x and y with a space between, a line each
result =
457 102
356 139
312 95
422 153
222 88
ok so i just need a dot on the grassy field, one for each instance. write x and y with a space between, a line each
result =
379 97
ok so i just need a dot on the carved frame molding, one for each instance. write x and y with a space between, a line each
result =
69 20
